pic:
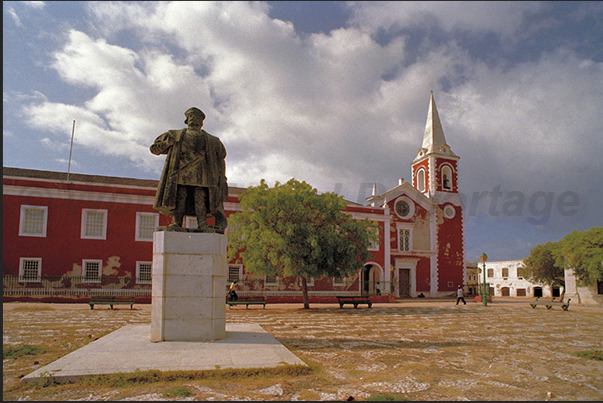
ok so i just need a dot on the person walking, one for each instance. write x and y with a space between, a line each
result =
232 294
460 296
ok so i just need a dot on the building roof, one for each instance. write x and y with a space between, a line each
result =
404 188
73 177
109 180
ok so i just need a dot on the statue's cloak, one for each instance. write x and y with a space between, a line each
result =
213 170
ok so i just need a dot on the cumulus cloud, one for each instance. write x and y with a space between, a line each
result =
271 96
531 117
502 17
518 87
35 4
338 109
47 142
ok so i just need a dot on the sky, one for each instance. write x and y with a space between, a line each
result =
332 93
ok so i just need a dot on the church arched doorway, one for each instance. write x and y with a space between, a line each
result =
371 283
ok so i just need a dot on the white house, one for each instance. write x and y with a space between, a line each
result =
506 278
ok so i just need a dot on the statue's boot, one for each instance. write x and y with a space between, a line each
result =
177 221
202 225
221 222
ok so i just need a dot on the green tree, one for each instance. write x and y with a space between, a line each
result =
292 231
582 252
542 266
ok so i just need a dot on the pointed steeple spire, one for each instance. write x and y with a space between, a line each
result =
372 197
433 138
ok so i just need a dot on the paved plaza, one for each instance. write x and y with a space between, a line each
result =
418 350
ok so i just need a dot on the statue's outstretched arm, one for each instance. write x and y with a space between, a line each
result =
163 143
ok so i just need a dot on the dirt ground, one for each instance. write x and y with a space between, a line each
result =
427 350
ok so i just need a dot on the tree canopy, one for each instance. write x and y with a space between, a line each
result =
542 266
581 251
292 231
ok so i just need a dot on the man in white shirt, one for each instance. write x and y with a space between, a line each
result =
460 296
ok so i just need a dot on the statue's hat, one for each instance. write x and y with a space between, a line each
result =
196 110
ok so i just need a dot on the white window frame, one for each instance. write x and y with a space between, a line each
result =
404 227
411 207
275 283
340 283
139 216
190 222
138 279
421 182
100 270
239 267
22 262
84 219
449 211
374 246
309 282
24 208
446 169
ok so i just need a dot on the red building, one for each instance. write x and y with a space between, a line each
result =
68 236
426 237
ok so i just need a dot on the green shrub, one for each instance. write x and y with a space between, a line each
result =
156 376
9 352
178 391
591 354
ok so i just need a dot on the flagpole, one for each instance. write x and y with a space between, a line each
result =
71 150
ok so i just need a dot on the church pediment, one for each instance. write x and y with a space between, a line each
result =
404 189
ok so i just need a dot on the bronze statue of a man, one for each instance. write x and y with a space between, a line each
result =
193 181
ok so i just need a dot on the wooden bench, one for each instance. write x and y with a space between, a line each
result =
354 300
247 301
551 303
110 300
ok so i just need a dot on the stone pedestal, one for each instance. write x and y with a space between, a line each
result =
571 290
189 286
